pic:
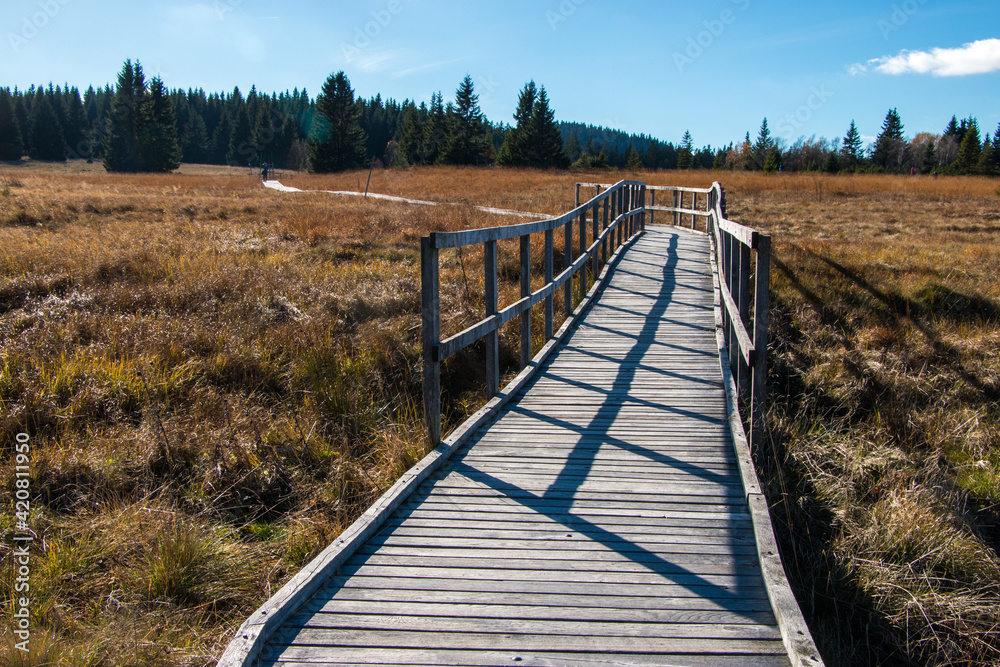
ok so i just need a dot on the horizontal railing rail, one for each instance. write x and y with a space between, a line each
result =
743 258
613 216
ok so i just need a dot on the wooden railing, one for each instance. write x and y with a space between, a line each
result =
743 258
615 215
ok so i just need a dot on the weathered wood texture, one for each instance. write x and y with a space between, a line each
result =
602 518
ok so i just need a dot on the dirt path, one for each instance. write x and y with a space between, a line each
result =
276 185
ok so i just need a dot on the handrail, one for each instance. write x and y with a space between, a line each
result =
743 256
615 215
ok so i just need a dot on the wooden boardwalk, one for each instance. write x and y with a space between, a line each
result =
602 519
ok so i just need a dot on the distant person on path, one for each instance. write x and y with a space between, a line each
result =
263 172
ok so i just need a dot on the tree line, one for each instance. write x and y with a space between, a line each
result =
140 125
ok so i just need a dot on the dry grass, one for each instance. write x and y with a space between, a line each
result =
218 379
884 465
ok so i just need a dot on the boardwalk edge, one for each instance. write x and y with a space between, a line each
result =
795 632
249 640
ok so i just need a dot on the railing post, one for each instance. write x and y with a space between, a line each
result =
607 240
525 292
549 275
576 197
568 254
583 251
642 203
744 303
430 310
678 200
596 262
492 338
652 205
761 309
694 207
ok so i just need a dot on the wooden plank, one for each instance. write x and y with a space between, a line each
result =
420 609
306 638
460 658
404 623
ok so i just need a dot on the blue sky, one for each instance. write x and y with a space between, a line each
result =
716 68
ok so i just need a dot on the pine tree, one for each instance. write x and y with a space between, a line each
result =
340 143
121 144
158 145
890 147
240 152
762 148
685 156
75 129
772 162
466 139
632 161
549 150
435 130
47 142
518 145
23 118
969 150
929 162
832 164
195 145
572 148
851 150
411 137
11 144
994 166
952 129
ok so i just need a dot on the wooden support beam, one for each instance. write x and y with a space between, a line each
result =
430 309
492 306
525 292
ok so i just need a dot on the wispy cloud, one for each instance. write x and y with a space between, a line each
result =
980 57
424 68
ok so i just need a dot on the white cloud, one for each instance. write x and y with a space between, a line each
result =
980 57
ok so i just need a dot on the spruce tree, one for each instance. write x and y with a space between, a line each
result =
158 145
23 118
969 150
890 147
851 150
632 161
547 138
411 137
762 148
466 139
75 127
240 152
11 143
195 144
685 156
47 142
121 143
929 162
340 142
435 130
518 144
994 166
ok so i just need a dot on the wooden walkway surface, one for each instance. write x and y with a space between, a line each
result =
600 520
